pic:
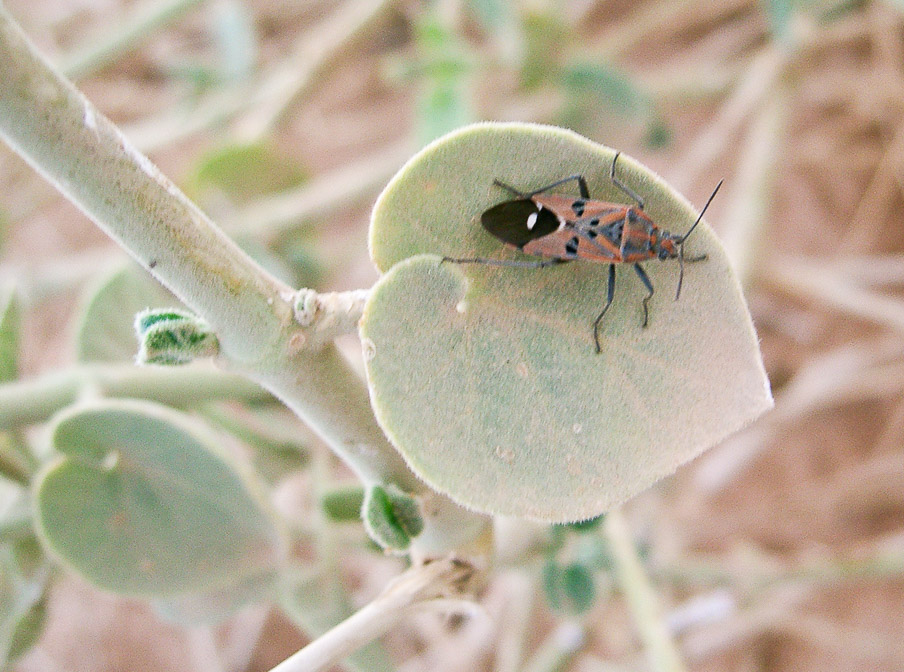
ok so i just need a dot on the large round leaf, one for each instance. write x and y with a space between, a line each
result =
486 378
143 502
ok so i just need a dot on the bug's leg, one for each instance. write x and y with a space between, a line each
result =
645 279
582 186
621 185
506 262
510 188
610 292
681 260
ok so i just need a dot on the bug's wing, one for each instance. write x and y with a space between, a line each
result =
573 243
519 222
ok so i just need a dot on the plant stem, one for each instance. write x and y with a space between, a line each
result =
277 214
818 282
763 73
277 88
559 648
752 189
141 22
61 134
881 562
661 649
311 59
418 585
30 401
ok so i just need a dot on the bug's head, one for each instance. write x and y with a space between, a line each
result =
519 222
667 246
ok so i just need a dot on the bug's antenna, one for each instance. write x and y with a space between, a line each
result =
700 216
681 240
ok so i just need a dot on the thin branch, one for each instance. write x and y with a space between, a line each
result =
815 282
662 652
273 215
436 580
750 192
273 91
30 401
118 40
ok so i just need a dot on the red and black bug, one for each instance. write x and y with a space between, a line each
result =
562 228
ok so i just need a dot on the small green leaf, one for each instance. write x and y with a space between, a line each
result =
568 588
392 518
486 379
494 15
105 331
28 629
244 172
172 337
780 13
610 86
23 583
443 103
442 107
545 36
344 504
578 588
10 318
143 502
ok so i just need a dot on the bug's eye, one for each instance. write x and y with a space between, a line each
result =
663 253
519 222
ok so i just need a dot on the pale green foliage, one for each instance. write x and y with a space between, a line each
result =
391 517
170 337
9 336
142 501
23 580
105 331
486 379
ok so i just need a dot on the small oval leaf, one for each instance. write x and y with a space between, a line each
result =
172 337
105 332
391 517
10 328
143 502
485 377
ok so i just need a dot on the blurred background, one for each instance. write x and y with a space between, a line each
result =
780 550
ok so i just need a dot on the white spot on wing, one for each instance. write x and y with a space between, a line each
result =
532 220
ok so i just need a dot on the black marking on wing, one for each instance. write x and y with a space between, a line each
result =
508 221
611 231
578 206
571 247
